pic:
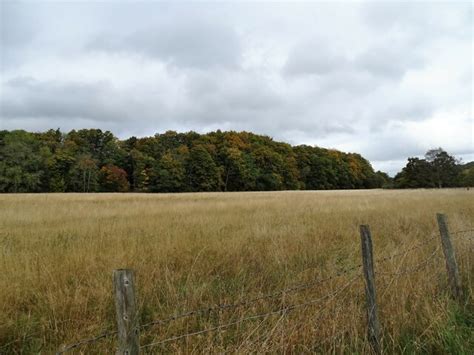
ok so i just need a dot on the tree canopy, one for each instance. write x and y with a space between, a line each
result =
437 169
91 160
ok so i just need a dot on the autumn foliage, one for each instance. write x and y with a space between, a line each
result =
90 160
113 178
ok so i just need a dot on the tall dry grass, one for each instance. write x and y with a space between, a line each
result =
57 253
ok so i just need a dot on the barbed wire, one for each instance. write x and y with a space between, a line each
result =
296 288
243 303
85 341
405 251
214 308
418 267
315 318
463 231
257 316
217 307
464 237
226 306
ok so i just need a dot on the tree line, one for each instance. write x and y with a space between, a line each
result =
91 160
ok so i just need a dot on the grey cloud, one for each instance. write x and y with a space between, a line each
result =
390 62
17 30
359 75
381 145
192 44
315 58
416 110
248 102
234 91
395 112
391 14
351 81
423 20
28 98
16 26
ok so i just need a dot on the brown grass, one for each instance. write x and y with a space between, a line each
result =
57 253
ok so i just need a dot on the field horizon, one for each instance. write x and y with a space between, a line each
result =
194 250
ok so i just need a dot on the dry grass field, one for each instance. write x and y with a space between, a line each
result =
57 253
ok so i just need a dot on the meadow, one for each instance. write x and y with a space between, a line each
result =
58 251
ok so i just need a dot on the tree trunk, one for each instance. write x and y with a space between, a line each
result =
89 181
226 180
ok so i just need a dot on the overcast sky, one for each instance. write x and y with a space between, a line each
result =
387 80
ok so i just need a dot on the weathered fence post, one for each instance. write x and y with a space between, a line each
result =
368 265
126 312
448 250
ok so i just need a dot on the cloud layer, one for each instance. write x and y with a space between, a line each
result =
384 79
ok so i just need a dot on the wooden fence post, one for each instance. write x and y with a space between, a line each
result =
368 266
126 312
451 264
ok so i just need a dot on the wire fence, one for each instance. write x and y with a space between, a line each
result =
322 301
283 310
464 232
224 307
86 341
418 267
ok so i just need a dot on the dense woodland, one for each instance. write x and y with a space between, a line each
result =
90 160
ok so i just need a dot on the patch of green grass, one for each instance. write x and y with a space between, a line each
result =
453 335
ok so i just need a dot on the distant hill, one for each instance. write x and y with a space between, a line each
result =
90 160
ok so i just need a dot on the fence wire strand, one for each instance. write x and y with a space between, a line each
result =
283 310
320 314
418 267
215 308
85 342
297 288
227 306
463 231
405 251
